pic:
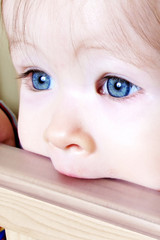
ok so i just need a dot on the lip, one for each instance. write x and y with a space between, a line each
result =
64 170
66 163
67 167
67 174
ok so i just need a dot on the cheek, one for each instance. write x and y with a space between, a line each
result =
34 115
127 136
32 123
139 149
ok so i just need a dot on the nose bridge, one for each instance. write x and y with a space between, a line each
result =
67 116
68 108
67 130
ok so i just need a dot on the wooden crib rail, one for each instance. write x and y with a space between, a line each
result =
36 202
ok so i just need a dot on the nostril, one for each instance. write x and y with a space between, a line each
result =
73 146
69 140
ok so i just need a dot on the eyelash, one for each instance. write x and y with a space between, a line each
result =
27 73
43 82
105 86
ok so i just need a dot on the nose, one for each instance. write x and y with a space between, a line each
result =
66 133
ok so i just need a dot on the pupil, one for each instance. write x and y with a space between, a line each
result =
42 79
118 85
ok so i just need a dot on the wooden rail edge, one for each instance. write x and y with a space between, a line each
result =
37 201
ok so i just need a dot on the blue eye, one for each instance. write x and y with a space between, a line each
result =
41 80
118 87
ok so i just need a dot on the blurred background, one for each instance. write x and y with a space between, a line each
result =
8 82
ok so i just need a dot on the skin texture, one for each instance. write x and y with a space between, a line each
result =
6 130
86 132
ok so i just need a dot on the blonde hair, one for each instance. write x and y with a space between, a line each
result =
143 17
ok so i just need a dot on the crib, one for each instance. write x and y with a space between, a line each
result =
38 203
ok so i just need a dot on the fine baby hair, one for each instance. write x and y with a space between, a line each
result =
90 84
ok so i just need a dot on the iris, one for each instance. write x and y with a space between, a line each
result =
41 80
118 87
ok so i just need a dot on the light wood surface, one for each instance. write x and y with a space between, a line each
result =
11 235
36 202
38 220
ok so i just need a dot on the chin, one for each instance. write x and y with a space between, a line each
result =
70 171
66 172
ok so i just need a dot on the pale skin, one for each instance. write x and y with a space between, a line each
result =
76 48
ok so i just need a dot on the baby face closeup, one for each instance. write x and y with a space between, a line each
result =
90 84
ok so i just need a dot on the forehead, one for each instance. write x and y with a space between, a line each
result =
126 28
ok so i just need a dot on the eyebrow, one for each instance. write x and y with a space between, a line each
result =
138 59
111 52
14 43
77 50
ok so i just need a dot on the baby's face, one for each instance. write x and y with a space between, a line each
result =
90 88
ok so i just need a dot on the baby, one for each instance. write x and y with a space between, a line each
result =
90 85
